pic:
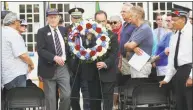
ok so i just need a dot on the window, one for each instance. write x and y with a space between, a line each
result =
31 13
160 7
63 10
137 4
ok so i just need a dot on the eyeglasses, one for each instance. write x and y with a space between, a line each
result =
191 18
113 22
159 19
168 21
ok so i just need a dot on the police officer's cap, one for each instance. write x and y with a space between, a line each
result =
76 12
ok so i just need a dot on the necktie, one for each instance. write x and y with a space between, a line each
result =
176 52
57 44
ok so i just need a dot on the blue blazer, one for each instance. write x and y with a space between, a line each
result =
162 45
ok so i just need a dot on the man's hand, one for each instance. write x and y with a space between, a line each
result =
153 65
166 51
189 82
161 83
30 68
59 60
138 51
101 65
120 63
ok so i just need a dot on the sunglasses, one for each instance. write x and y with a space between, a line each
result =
24 26
113 22
191 18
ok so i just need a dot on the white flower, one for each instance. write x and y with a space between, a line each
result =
98 42
82 32
88 50
71 44
75 51
104 50
82 58
107 45
49 33
94 57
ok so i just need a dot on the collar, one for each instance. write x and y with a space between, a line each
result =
53 28
8 27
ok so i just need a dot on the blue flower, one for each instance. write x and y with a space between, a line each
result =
103 44
78 55
71 48
99 35
94 26
87 56
86 31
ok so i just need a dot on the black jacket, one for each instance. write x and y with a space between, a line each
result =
46 51
89 70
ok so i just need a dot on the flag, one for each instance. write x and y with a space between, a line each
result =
97 7
49 5
6 7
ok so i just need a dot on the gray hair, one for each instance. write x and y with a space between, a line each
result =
115 18
10 18
129 5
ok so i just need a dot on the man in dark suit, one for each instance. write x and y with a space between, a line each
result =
101 74
52 63
76 81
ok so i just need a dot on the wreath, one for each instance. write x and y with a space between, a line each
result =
83 28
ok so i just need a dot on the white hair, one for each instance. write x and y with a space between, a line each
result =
128 5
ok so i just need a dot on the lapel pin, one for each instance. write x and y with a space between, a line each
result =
49 33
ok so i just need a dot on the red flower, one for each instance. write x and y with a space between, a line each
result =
83 53
177 12
98 30
103 38
92 53
88 26
77 47
99 49
79 28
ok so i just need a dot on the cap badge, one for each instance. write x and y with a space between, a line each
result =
177 13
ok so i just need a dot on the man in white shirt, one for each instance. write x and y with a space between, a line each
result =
180 60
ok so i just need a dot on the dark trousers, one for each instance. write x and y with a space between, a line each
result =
95 89
75 93
183 94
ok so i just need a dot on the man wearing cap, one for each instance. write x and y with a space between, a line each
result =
52 63
180 60
76 79
23 26
15 60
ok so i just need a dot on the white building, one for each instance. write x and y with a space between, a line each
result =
34 13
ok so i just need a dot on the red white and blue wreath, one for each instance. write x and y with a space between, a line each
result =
83 28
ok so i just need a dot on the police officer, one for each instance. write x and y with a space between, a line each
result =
76 78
